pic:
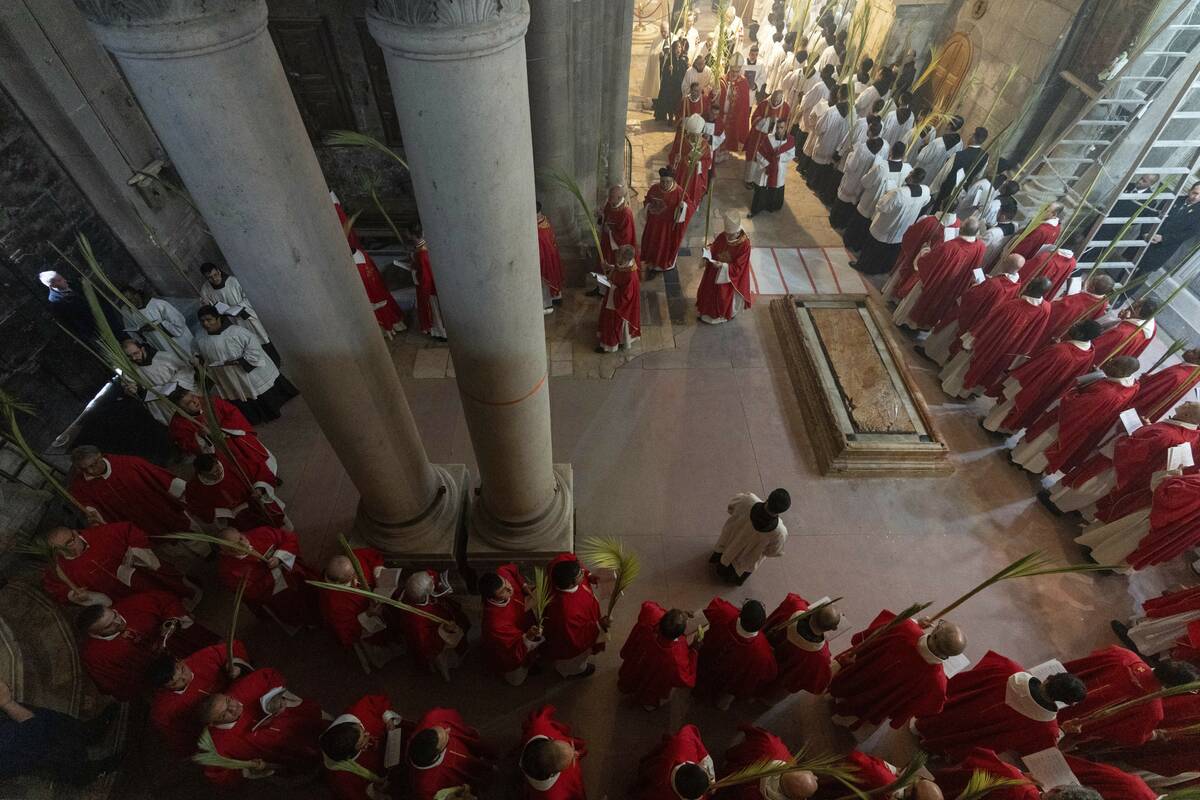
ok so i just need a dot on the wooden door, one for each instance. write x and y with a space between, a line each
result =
306 50
951 70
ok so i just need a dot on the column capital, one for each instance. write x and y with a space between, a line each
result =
447 30
149 29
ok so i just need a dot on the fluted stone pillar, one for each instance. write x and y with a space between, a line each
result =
210 82
459 80
620 50
548 56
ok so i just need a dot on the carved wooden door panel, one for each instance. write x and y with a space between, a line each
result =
306 50
951 69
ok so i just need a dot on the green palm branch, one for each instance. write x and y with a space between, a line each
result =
231 636
341 138
1112 709
10 408
801 615
206 755
981 784
379 598
826 766
607 552
568 183
539 596
906 778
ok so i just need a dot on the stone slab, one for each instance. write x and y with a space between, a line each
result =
862 409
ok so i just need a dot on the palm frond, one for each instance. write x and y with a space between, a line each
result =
1112 709
539 596
231 636
1175 396
354 768
1161 306
610 553
37 547
9 409
379 598
216 541
567 182
1176 346
801 615
206 755
935 58
892 624
1031 565
356 139
348 225
824 766
1182 794
981 784
1040 216
358 567
904 779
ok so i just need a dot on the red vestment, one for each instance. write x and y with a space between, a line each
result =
616 230
572 622
1121 340
387 311
729 662
425 286
1170 753
1113 675
656 769
569 783
1071 309
464 761
651 666
926 231
622 303
771 149
369 710
118 665
351 234
96 568
804 666
758 746
691 174
287 739
548 258
504 627
1054 266
1174 522
734 122
1110 782
1135 460
135 491
1084 415
1043 379
888 678
662 234
1159 391
977 302
341 610
240 437
232 500
953 780
976 714
173 713
1012 329
702 105
1046 233
284 590
422 637
945 272
870 773
1172 603
764 109
716 299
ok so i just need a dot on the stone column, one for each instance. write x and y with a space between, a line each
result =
210 82
460 85
621 53
548 56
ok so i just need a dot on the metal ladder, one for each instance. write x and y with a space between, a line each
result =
1172 151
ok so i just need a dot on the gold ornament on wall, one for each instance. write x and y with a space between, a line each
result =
979 8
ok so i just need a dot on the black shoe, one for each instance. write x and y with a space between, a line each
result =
1121 630
587 673
557 301
751 215
1044 498
715 558
854 265
600 349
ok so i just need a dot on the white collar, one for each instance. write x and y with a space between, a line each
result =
497 604
742 632
927 654
1081 345
572 590
115 635
1033 301
107 472
675 769
1127 381
1052 221
623 200
224 726
804 644
1013 276
1018 697
1065 253
347 718
541 786
1191 426
185 686
963 238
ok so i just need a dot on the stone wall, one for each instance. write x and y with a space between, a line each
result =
40 205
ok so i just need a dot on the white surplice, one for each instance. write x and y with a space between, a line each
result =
232 295
880 179
164 374
740 545
232 344
896 212
165 322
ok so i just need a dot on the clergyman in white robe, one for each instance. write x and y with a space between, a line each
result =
159 323
230 298
163 373
741 548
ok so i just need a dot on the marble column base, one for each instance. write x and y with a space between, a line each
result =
435 539
491 542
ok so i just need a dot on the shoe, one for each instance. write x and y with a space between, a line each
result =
715 558
1121 630
1044 498
751 215
587 673
557 301
547 311
600 349
854 265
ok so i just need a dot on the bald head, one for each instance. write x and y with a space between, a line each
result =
1100 284
1012 263
826 618
969 227
1055 209
418 587
925 789
1188 412
1121 367
339 570
798 785
947 640
1192 355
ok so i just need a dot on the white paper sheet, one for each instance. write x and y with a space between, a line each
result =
1050 769
1180 457
394 749
1046 669
1131 420
979 276
1075 286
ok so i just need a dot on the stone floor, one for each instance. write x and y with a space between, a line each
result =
658 447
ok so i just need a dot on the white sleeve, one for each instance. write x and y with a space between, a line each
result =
177 487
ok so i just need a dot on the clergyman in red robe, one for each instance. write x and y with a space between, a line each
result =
106 563
277 586
1133 334
354 749
736 660
1067 433
1071 309
445 752
386 309
1112 783
759 746
191 435
573 625
510 635
432 646
973 304
801 647
953 780
182 684
725 287
1053 263
679 766
620 324
943 274
549 261
922 235
356 621
733 110
550 758
1045 233
656 658
1158 392
617 227
1027 391
999 706
897 675
222 494
429 309
663 231
127 488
